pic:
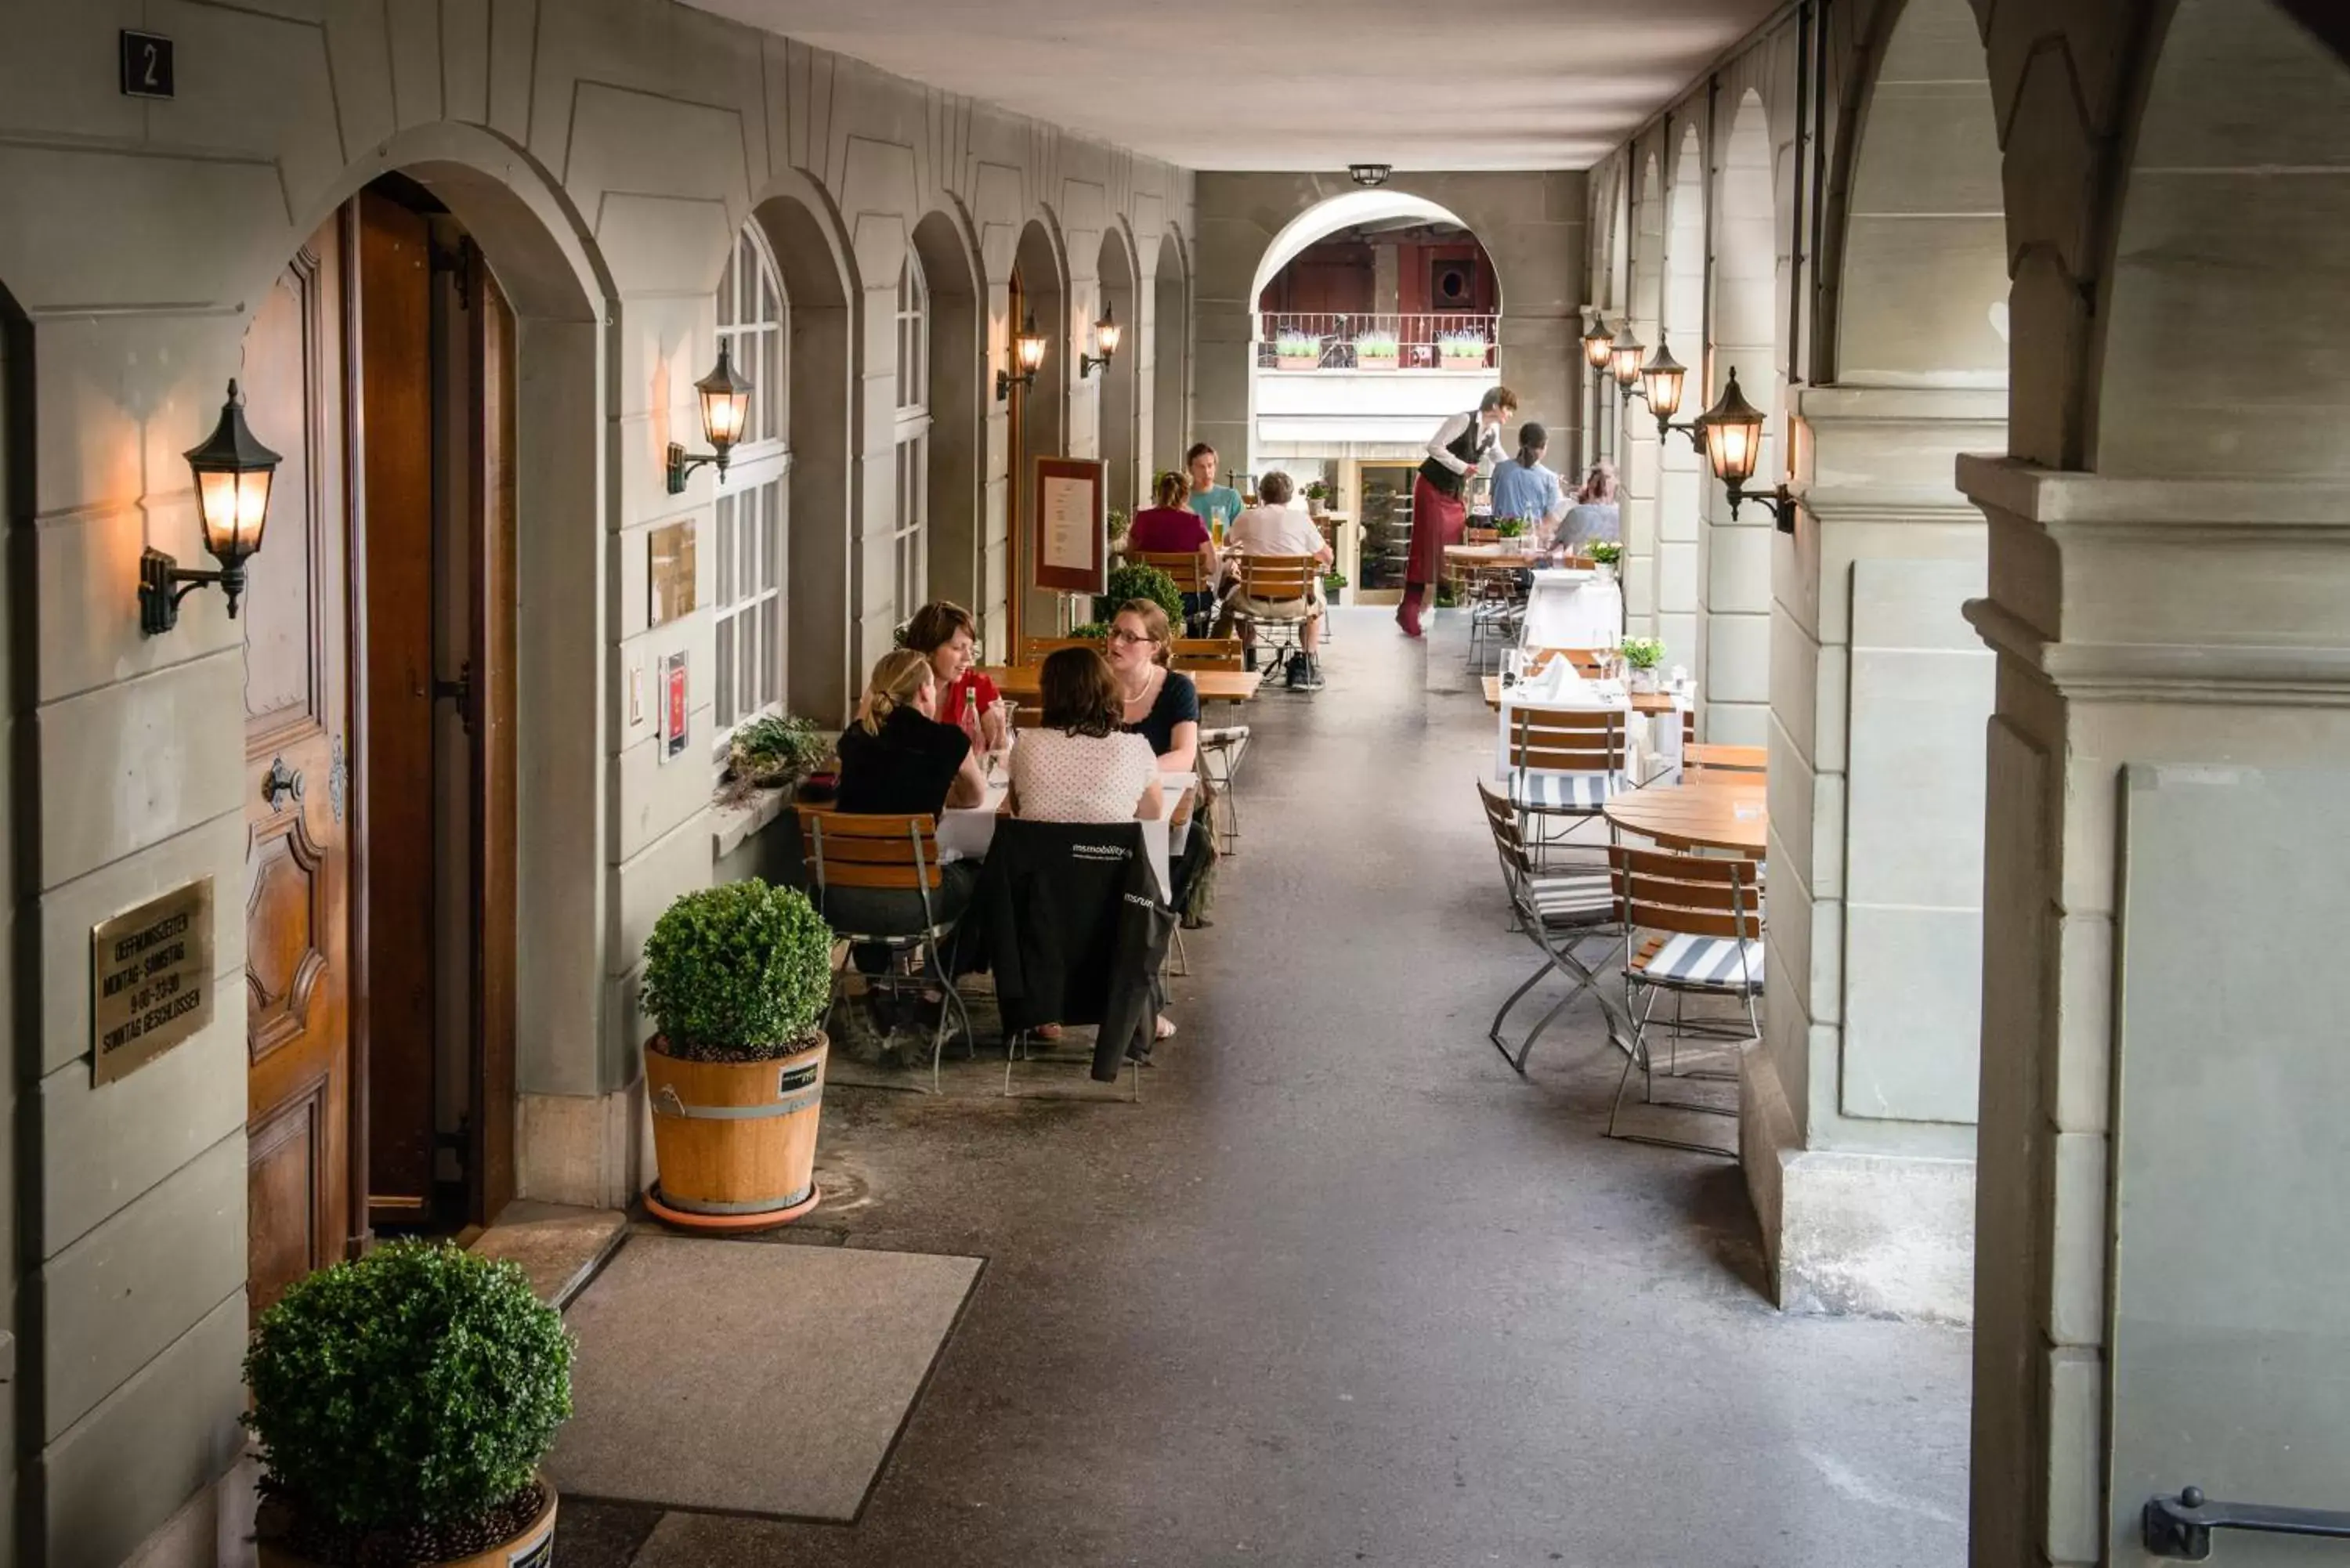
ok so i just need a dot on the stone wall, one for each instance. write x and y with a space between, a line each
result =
605 153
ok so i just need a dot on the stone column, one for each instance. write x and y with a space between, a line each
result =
2173 653
1856 1117
1639 475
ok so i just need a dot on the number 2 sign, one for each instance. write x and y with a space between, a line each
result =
146 65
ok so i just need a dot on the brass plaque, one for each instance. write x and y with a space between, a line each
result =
150 979
669 572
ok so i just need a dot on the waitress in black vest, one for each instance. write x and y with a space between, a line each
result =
1463 445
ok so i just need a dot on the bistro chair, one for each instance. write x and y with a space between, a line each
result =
1562 764
1558 913
1037 649
1275 594
1219 745
1693 926
1190 575
887 853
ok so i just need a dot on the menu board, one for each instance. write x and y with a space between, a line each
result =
150 979
1070 535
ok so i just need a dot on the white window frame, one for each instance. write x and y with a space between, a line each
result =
757 477
910 519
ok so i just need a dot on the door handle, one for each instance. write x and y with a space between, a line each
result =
2181 1527
281 783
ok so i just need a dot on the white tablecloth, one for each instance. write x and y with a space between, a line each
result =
965 832
1570 608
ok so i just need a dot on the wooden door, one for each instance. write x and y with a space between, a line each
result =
490 728
297 793
392 265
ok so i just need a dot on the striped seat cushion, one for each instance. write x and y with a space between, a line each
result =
1565 791
1573 901
1497 610
1705 961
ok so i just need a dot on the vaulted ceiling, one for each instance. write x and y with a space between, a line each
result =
1311 83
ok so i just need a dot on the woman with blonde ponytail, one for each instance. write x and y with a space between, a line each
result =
897 759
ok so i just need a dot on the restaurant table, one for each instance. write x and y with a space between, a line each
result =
1709 815
1572 607
1021 682
1721 755
1523 557
1649 702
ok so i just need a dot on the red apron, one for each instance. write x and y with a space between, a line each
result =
1436 520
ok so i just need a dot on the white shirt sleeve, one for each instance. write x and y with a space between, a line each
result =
1446 434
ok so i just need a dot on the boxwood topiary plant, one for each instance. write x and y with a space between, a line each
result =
418 1386
1140 582
739 972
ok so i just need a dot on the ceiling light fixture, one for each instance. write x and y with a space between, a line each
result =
1369 173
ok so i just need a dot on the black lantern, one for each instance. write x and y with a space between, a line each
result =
1598 343
1662 381
233 476
1106 332
1732 433
1028 351
1623 360
726 398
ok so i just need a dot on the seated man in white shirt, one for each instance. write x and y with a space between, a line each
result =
1273 528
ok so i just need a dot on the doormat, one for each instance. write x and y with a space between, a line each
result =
744 1378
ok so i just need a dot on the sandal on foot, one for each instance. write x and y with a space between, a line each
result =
1165 1029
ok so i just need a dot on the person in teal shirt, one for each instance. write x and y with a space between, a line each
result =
1218 504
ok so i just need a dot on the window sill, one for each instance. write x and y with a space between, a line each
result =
733 826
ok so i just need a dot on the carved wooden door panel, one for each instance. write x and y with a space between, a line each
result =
296 804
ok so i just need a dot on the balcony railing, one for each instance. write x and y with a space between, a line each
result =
1329 341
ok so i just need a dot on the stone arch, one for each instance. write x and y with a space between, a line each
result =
1170 353
2224 351
1342 211
1040 276
948 253
821 568
1742 329
1636 429
561 294
1120 388
1681 502
1914 291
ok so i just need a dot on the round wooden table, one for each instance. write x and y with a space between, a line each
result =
1697 817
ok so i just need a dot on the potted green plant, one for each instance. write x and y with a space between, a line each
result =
1334 583
736 978
1317 496
1462 350
1378 351
776 750
1606 556
1294 350
1641 655
1509 527
1092 631
1118 523
402 1402
1136 581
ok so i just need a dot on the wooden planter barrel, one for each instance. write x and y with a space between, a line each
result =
533 1548
735 1141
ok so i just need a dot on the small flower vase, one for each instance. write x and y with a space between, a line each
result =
1644 680
1603 570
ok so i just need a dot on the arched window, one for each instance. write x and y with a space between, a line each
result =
747 602
910 540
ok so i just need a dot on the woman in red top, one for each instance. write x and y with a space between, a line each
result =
945 633
1171 528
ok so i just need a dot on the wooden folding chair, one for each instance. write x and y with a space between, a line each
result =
1564 762
1693 925
1557 913
1281 587
1220 746
1190 575
1037 649
888 852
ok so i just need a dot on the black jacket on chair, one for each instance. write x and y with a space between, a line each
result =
1068 917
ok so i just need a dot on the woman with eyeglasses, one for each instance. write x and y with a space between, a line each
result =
1160 704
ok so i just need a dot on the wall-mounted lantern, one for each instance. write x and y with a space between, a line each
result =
1106 332
1028 352
233 475
725 398
1623 360
1732 433
1598 343
1662 380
